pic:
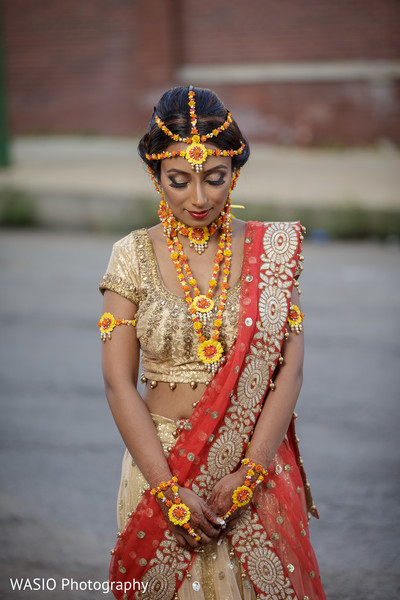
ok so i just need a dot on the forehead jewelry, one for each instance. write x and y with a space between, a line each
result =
196 153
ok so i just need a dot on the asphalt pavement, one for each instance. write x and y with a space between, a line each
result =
61 453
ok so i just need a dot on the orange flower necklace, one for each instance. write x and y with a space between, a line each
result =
198 236
210 351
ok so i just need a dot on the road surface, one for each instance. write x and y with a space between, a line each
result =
61 453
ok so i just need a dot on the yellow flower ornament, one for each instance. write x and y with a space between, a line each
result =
202 304
295 318
210 352
179 514
242 495
108 323
196 154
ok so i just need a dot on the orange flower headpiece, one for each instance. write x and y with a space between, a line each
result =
196 153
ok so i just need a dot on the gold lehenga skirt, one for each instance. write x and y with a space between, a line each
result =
215 574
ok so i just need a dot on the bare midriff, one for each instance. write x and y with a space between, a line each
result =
174 404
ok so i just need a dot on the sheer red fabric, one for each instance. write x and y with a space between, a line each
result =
271 538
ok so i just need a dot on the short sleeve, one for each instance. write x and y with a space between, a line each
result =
123 271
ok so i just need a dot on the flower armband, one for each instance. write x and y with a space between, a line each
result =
295 319
244 493
178 512
108 323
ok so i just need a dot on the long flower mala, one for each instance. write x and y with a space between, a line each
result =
210 351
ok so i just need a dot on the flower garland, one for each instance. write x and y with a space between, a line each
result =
295 319
178 513
108 323
193 122
198 236
196 153
244 493
210 351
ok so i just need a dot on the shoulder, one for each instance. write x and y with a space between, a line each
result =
131 241
132 248
128 258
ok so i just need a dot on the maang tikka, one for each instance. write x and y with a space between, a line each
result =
196 153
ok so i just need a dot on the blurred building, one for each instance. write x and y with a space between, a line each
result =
315 72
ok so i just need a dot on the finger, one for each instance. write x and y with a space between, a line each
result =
211 499
205 539
192 542
210 530
202 523
212 517
231 523
181 541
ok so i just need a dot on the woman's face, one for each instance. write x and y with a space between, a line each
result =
196 199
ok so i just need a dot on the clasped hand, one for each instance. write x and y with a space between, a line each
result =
206 516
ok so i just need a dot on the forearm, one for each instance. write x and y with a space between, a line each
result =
138 433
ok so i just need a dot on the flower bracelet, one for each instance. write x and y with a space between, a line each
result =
295 318
108 323
178 513
244 493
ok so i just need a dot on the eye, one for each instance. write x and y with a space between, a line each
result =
217 179
178 184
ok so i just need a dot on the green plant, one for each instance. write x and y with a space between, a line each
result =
17 208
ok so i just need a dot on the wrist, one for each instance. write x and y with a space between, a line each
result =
178 513
253 459
242 495
156 480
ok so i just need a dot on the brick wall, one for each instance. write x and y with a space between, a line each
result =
98 66
84 66
353 113
289 30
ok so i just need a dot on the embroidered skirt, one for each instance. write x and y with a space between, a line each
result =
216 573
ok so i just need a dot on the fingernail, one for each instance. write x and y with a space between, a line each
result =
220 521
220 541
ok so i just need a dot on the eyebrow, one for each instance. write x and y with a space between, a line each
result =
221 166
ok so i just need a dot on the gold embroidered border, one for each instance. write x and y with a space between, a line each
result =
281 249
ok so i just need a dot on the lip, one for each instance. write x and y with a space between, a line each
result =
199 215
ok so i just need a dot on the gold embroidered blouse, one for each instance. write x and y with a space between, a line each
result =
164 326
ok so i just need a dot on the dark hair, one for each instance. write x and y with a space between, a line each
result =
173 109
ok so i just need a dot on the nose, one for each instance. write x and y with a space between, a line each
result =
199 194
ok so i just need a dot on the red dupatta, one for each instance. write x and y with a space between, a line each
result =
280 560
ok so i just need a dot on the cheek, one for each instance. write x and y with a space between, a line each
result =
220 193
175 197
